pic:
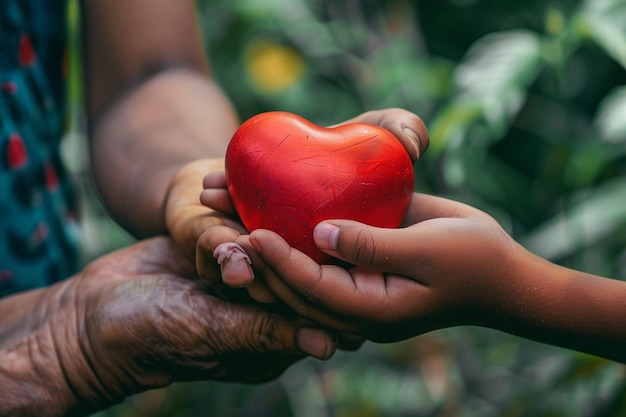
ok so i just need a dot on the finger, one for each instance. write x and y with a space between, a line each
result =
426 207
405 125
215 193
234 264
260 292
206 263
215 179
257 290
327 294
380 249
217 199
256 331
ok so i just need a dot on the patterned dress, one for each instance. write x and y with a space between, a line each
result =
37 205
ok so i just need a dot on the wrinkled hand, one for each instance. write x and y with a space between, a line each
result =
135 321
447 267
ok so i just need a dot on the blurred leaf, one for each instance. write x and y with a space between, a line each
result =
604 22
588 160
273 9
616 406
491 83
451 124
498 62
591 215
611 117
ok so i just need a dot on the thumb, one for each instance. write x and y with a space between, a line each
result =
385 250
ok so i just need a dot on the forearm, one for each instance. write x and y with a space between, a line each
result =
562 307
151 104
141 143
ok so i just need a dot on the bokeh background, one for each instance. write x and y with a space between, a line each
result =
526 105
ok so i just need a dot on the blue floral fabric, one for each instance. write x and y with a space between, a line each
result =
37 207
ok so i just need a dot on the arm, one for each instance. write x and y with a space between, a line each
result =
130 322
452 265
157 121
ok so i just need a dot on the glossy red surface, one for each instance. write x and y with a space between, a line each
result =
286 174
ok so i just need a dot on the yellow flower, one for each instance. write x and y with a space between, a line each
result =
273 67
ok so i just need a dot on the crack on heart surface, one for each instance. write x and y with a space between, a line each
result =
353 145
283 141
287 176
309 157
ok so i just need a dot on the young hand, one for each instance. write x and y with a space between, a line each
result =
199 228
451 265
446 267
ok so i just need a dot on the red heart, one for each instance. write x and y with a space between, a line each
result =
286 174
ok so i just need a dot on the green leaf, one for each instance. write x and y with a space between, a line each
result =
610 119
604 22
498 62
451 125
592 215
490 85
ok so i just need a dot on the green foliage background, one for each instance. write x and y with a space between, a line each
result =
526 106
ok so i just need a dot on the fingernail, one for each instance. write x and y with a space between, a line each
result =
234 264
414 137
237 273
326 235
315 342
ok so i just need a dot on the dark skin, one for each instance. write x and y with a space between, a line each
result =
132 321
451 265
144 317
448 265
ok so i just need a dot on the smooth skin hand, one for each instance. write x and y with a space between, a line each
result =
133 321
450 265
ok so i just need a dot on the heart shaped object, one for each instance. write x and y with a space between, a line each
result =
286 174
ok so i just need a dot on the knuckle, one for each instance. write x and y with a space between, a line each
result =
364 248
302 309
311 293
268 336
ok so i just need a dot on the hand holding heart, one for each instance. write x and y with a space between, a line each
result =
450 264
286 174
442 269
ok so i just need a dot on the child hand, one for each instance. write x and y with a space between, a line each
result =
450 267
234 261
404 125
198 229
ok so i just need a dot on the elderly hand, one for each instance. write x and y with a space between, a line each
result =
132 321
